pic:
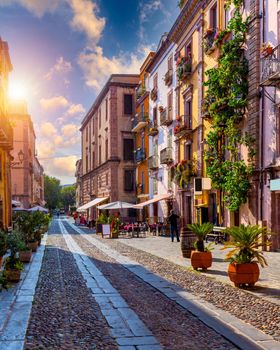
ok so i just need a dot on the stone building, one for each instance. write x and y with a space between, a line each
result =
27 173
6 139
108 167
78 174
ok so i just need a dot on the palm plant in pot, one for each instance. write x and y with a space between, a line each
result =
245 256
13 265
201 257
3 245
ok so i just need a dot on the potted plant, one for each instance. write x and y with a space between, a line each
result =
266 49
245 255
201 257
3 282
25 253
3 245
101 220
13 266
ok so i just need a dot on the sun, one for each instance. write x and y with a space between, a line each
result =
17 90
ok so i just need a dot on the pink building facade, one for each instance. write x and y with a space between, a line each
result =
27 175
108 167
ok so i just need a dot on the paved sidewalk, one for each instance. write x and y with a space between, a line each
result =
268 286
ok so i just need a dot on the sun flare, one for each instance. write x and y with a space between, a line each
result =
17 90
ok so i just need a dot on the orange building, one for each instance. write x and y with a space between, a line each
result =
140 124
6 139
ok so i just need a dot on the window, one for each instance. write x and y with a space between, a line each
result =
142 140
107 179
86 159
106 149
188 151
128 104
99 154
188 112
213 17
129 180
142 182
155 115
170 105
99 112
155 81
106 109
128 149
278 130
87 133
170 63
93 160
226 17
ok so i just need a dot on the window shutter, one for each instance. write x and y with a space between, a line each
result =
128 148
128 104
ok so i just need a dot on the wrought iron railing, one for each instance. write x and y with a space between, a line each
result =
166 155
153 162
271 68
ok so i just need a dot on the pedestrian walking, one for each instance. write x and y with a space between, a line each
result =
173 225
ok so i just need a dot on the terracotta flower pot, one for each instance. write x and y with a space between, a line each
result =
241 274
114 235
33 246
201 260
25 256
13 275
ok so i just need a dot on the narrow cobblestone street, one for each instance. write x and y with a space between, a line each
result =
101 294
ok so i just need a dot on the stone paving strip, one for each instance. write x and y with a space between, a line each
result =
16 304
214 314
126 327
172 325
64 315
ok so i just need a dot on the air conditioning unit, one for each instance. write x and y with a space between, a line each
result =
201 184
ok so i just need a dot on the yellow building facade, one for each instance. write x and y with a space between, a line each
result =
187 33
140 127
6 139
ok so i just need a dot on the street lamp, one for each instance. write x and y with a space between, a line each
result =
20 159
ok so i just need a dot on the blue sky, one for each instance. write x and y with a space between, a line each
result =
62 52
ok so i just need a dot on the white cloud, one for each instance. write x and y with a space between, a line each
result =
70 130
48 129
146 10
75 109
98 67
54 102
61 166
61 67
45 149
86 20
37 7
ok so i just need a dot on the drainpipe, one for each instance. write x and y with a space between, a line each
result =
262 119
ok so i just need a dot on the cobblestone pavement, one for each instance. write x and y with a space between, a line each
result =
64 314
173 326
268 287
256 311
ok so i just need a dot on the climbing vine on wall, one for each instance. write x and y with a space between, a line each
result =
225 102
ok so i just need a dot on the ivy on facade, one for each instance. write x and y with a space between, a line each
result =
225 103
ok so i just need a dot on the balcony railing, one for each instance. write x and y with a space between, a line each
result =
140 155
209 40
271 68
165 117
6 134
140 91
184 127
153 162
168 78
139 122
166 156
184 68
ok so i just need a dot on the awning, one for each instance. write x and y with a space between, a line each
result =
92 203
153 200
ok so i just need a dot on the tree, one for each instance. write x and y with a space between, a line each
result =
52 192
68 196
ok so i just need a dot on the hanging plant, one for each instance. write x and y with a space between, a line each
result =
182 172
225 103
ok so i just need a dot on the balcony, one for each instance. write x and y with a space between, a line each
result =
184 127
139 122
209 40
168 78
184 68
166 156
6 134
166 117
140 155
154 94
153 162
140 92
270 65
140 189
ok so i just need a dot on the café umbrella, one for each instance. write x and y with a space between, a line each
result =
116 205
